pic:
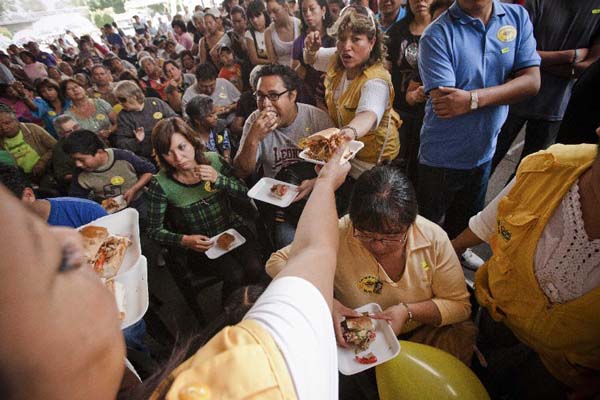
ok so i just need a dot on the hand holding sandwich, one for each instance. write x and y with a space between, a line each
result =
339 311
265 123
198 243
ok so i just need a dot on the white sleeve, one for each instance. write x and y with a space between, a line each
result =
296 315
324 56
483 224
374 96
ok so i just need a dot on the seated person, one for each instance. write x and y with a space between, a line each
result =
179 82
103 173
246 105
391 256
63 165
230 70
204 121
138 117
543 280
58 211
257 358
29 144
190 203
271 135
224 94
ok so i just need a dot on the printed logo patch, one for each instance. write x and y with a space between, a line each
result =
507 33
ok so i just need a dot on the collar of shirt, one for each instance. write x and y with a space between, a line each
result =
401 14
458 13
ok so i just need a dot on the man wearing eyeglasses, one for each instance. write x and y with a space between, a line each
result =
271 134
270 138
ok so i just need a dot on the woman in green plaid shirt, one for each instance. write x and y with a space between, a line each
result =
189 203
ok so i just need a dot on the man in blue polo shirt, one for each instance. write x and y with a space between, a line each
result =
474 60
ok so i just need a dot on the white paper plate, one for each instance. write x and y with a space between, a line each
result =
124 223
216 252
385 346
122 203
355 146
262 191
135 281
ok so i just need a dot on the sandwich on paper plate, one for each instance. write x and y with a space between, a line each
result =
322 145
359 332
105 253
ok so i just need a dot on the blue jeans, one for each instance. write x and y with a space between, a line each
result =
134 336
449 197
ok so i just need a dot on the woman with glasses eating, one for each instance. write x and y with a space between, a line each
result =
391 256
358 88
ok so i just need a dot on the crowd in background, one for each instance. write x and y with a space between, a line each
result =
182 118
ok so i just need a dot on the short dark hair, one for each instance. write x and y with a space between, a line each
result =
5 109
237 10
14 179
84 142
197 108
290 78
162 133
180 24
206 72
108 26
255 8
383 201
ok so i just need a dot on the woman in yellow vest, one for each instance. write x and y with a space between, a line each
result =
358 89
543 280
60 336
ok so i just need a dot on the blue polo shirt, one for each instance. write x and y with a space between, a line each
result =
460 51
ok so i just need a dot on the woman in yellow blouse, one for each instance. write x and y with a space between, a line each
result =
391 256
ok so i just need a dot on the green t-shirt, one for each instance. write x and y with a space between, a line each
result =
6 158
24 155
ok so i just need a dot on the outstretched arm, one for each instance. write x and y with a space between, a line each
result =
315 246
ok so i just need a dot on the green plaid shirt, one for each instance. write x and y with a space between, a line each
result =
176 209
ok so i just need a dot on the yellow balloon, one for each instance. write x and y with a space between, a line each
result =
424 372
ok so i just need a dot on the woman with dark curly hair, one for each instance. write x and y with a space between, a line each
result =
358 88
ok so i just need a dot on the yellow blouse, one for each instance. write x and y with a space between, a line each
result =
433 272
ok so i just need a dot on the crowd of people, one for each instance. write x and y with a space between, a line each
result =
183 118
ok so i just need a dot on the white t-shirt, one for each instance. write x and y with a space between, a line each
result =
261 46
225 94
296 316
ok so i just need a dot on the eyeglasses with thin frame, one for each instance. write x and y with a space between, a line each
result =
386 242
273 97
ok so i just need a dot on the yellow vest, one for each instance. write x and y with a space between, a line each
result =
239 362
564 335
343 111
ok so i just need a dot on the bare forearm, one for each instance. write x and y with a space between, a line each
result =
314 249
465 240
363 122
143 181
525 85
557 57
425 312
245 162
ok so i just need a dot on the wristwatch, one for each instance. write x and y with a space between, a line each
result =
474 100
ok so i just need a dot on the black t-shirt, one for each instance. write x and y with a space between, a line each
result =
403 52
583 112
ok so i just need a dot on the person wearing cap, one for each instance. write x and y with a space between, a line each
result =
213 38
230 70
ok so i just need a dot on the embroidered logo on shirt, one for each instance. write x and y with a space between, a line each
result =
425 266
207 186
507 33
505 233
52 113
100 117
157 115
370 284
505 50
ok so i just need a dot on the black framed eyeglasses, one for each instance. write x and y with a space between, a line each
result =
273 97
386 242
